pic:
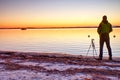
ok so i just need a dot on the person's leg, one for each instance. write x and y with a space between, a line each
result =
101 47
109 48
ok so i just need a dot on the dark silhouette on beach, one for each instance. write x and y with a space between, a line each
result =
103 30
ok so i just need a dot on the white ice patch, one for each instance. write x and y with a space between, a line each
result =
62 66
112 63
113 78
16 61
1 60
28 75
106 67
58 66
28 63
1 66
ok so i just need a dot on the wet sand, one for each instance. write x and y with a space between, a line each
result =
56 66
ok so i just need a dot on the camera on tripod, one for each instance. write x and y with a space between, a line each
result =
92 44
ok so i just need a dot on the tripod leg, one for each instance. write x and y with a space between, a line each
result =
88 50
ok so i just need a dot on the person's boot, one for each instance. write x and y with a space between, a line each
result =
99 58
110 58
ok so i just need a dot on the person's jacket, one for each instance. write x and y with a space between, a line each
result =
104 28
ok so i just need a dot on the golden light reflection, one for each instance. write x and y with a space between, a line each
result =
50 34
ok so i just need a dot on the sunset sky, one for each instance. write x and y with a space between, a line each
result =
57 13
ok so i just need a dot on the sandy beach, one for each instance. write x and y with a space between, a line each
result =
55 66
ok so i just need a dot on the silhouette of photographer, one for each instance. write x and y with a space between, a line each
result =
103 30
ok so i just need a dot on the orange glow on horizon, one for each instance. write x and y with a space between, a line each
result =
54 21
58 13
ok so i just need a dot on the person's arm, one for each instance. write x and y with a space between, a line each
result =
99 29
110 28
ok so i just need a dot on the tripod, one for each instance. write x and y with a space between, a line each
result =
93 47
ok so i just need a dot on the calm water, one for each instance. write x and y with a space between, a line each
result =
70 41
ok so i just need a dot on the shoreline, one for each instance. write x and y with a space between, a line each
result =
51 54
55 66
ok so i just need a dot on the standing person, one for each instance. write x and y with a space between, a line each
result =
103 30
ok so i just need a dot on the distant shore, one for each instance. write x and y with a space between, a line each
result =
53 27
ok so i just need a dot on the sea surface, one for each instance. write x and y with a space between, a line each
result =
75 41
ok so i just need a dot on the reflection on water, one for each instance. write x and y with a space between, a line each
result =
71 41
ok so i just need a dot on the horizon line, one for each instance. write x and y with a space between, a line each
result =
51 27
